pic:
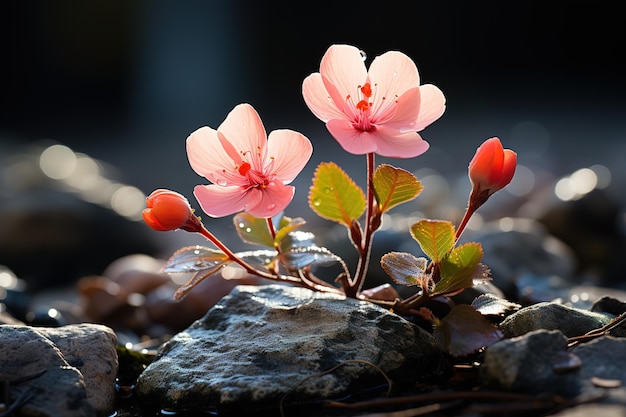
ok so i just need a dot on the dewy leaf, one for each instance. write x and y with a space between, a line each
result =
335 196
435 237
253 229
404 268
459 268
464 330
259 257
299 257
203 261
393 186
194 259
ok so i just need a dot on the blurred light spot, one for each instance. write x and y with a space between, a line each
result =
128 201
576 185
101 191
233 271
57 162
603 174
506 224
135 299
523 181
85 175
528 138
8 280
54 313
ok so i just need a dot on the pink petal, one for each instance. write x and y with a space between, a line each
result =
217 201
392 74
351 140
288 152
244 130
406 145
432 105
343 72
208 158
403 114
318 100
273 199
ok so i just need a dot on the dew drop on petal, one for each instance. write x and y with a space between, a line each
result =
222 183
271 206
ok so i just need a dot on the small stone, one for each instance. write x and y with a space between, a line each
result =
527 364
552 316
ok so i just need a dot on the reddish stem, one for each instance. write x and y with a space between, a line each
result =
365 246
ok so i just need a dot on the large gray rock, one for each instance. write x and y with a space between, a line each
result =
66 371
260 344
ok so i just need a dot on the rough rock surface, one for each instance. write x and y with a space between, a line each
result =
261 344
540 363
66 371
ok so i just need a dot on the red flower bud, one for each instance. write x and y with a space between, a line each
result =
492 168
168 210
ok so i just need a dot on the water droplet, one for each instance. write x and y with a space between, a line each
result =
222 183
248 229
241 225
271 206
328 190
317 202
363 55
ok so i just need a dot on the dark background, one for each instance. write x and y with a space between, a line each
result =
126 81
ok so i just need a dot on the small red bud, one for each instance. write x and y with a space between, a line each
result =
168 210
491 169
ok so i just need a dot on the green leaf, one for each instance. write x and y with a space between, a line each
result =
464 330
406 269
335 196
460 268
253 229
393 186
435 237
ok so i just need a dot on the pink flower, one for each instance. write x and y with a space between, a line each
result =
167 210
249 170
491 169
378 111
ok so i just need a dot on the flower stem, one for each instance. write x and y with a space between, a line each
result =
365 246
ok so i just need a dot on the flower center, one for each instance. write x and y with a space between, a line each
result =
362 121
